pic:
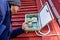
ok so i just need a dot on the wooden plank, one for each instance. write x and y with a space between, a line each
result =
28 38
56 27
38 5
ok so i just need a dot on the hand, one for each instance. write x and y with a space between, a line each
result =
24 25
14 9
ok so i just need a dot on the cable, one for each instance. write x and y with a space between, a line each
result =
43 33
41 3
46 34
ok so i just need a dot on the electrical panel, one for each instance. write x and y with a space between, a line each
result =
38 21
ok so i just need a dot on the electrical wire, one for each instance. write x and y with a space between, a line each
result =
41 34
46 34
41 3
